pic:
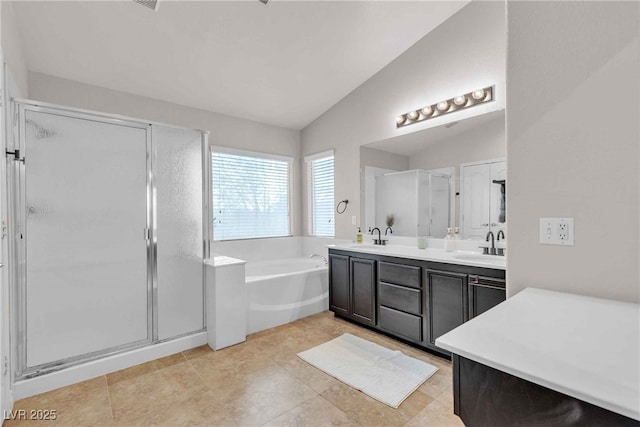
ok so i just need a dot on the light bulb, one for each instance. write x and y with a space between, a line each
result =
478 94
400 119
443 105
412 115
460 100
427 111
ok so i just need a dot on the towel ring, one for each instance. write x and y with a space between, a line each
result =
341 211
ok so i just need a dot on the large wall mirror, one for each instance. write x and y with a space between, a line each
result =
453 175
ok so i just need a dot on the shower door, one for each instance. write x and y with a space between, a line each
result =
83 237
179 239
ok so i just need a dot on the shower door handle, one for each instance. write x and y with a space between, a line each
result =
147 234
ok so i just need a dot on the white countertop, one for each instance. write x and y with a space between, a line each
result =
223 261
474 259
587 348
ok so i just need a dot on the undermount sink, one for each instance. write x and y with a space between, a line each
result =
482 258
366 246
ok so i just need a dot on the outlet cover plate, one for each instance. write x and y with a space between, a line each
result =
556 231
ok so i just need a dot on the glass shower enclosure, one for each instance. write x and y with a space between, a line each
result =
418 201
107 220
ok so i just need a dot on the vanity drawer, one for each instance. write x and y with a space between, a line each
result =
400 298
402 324
407 275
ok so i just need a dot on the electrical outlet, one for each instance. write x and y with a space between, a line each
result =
354 220
556 231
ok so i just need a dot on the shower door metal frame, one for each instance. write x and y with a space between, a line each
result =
18 190
17 249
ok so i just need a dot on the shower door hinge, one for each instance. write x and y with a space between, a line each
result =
16 155
147 234
5 366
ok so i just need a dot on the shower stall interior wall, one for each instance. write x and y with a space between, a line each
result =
108 235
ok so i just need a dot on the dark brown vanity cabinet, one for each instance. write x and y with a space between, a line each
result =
413 300
446 299
352 287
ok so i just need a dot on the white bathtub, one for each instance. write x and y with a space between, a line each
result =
285 290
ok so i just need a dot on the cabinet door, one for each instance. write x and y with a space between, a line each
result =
446 302
476 197
484 294
339 284
363 288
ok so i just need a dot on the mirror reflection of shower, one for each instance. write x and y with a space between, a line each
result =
418 201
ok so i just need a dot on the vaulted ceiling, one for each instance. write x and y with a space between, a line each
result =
283 63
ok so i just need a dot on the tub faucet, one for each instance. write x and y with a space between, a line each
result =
500 251
389 229
379 240
492 250
319 256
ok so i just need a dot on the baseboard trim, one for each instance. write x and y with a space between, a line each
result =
96 368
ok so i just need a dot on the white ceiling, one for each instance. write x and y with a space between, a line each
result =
284 63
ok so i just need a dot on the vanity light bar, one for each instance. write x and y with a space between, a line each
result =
457 103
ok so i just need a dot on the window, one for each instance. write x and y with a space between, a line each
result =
320 177
250 194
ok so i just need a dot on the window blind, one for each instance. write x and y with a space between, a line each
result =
250 196
321 195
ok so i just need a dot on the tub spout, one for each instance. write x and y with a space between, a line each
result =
319 256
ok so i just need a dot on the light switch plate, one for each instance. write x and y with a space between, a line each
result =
556 231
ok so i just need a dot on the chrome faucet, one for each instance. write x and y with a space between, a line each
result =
492 250
389 229
500 251
379 241
319 256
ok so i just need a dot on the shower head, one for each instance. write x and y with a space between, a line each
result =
264 1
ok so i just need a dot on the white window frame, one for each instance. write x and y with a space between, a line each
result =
310 199
256 154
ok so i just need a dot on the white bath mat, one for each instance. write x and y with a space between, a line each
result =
386 375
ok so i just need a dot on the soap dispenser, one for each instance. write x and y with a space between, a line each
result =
456 233
449 243
359 236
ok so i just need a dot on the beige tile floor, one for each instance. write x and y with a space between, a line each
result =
259 382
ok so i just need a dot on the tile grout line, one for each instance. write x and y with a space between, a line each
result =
109 397
297 406
347 415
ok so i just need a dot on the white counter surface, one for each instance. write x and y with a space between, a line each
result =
587 348
473 259
223 261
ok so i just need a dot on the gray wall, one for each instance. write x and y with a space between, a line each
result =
573 145
11 46
486 141
465 52
225 130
